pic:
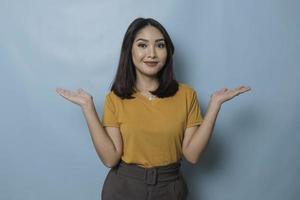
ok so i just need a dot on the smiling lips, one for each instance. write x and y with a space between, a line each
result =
151 63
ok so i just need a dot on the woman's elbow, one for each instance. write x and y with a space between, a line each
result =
191 160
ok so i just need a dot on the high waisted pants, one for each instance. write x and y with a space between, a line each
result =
132 182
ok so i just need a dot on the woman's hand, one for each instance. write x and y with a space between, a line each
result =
81 97
225 94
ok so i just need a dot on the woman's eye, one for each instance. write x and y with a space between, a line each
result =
141 45
161 45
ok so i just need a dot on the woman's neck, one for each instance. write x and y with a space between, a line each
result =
146 84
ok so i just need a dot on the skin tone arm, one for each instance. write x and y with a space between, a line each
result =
196 138
107 141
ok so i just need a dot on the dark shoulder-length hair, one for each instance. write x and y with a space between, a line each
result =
125 78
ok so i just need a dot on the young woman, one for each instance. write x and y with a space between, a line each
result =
150 121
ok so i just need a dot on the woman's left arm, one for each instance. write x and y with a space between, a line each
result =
196 138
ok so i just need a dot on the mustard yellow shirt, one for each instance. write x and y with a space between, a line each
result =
152 130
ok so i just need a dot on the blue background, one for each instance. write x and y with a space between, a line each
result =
46 149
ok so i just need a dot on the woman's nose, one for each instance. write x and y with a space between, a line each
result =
152 52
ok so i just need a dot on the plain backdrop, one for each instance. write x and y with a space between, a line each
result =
45 148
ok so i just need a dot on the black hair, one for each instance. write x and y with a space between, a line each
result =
125 78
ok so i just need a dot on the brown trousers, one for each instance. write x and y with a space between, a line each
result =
132 182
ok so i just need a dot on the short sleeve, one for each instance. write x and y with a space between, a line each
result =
109 117
194 113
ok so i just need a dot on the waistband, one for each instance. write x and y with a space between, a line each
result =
151 175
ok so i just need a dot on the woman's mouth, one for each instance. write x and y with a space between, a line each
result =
151 64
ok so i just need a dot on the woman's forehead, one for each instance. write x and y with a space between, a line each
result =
149 33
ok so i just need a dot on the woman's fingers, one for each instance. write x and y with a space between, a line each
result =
83 93
63 92
60 91
241 89
79 96
66 93
238 90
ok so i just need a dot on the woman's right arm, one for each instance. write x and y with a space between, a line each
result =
107 141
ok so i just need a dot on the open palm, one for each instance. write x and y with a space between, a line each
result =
80 97
226 94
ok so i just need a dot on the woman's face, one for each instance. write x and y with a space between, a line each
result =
149 52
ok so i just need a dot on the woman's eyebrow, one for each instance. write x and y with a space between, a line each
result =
161 39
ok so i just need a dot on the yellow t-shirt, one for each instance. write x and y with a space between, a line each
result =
153 130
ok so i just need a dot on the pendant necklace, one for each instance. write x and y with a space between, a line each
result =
148 95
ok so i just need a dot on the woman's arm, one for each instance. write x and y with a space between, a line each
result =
196 138
108 141
108 152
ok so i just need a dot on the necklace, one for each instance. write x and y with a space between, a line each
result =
148 95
